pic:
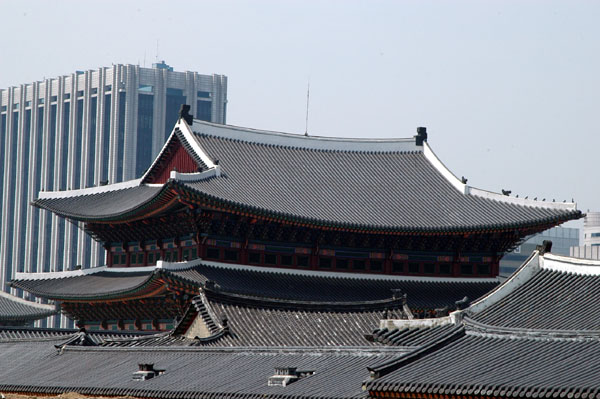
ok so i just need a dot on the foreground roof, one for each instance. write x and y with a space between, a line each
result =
536 335
17 311
380 184
46 365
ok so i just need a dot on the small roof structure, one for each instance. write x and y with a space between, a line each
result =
16 311
536 335
365 185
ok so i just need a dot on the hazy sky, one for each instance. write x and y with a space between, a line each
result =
509 90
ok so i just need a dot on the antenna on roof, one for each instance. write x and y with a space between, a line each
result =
157 50
307 102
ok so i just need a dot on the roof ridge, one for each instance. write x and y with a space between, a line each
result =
263 301
300 140
474 327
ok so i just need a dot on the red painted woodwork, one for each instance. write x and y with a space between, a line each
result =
175 158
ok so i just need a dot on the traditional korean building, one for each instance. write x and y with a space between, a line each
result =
537 336
534 336
220 200
16 311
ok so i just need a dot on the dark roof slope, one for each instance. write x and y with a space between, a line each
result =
488 366
86 286
536 335
95 206
398 190
15 310
188 372
390 185
256 282
550 300
247 321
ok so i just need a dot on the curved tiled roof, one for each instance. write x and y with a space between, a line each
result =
382 185
257 282
85 286
15 310
96 205
188 372
480 366
536 335
276 323
540 296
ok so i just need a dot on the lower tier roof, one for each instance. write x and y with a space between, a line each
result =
17 311
122 283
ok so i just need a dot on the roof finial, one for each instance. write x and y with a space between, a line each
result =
421 136
184 112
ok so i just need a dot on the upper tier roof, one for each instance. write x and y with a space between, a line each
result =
375 184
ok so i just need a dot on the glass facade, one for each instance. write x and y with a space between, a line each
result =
65 145
121 136
106 142
91 161
174 100
204 110
78 140
2 140
24 190
144 133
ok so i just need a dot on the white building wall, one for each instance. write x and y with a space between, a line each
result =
33 240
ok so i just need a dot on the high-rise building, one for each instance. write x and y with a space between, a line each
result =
563 238
81 130
591 238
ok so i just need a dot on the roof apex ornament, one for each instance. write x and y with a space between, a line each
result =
421 136
184 112
545 247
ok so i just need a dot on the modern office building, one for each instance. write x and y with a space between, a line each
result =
591 238
563 238
81 130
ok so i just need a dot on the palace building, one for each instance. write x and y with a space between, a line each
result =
220 201
253 264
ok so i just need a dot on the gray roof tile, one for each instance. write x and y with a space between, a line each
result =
15 310
385 189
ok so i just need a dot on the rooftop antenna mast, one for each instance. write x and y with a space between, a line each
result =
156 50
307 103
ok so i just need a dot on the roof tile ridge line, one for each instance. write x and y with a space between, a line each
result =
476 327
134 338
60 338
301 141
243 350
346 275
251 300
523 274
443 169
572 206
397 324
382 369
83 272
568 264
466 189
42 195
211 313
24 301
196 176
149 279
187 133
